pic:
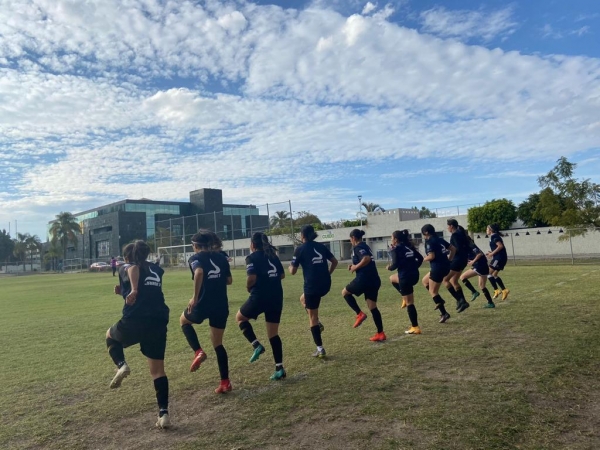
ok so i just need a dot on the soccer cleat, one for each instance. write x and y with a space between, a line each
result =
199 358
225 386
496 293
321 326
121 374
489 305
444 317
505 293
378 337
360 318
413 330
464 305
474 296
278 375
404 305
164 422
259 350
458 304
319 353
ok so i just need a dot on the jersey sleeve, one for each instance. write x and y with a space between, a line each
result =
250 269
279 266
296 258
394 256
327 254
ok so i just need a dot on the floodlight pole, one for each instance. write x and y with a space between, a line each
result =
359 210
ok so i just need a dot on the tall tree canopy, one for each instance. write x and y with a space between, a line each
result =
526 211
372 207
65 229
501 211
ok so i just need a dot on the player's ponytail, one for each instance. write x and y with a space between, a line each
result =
269 250
403 237
357 234
141 251
462 229
128 252
428 229
308 233
203 239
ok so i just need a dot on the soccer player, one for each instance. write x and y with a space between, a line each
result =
479 267
406 259
459 239
439 254
366 282
144 321
265 272
113 265
211 275
313 257
499 260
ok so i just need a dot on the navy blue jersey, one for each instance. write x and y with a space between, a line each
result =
358 253
313 257
494 240
440 247
268 271
216 271
481 262
150 301
460 242
405 259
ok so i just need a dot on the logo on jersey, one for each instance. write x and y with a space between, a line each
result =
273 272
152 280
216 273
318 259
409 254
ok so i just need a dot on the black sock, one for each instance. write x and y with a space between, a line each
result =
248 333
500 283
412 315
161 386
397 287
439 301
469 286
223 362
459 294
377 319
488 297
352 303
115 350
191 336
453 292
316 334
277 348
493 282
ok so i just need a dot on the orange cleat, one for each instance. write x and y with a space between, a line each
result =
360 318
225 386
198 359
379 337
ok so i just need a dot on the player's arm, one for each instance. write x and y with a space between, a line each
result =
499 247
363 262
394 264
429 257
133 272
452 252
333 265
250 282
478 256
198 280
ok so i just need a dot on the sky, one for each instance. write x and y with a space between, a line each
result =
405 103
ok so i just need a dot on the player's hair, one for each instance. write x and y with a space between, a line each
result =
217 243
494 227
461 228
128 252
260 241
403 236
428 229
141 250
308 233
357 234
204 239
452 223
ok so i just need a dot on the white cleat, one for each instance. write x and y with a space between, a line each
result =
164 422
121 374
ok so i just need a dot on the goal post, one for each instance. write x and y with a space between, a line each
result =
175 255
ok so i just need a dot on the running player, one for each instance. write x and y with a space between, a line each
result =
479 267
499 260
407 260
265 273
144 321
460 241
439 254
366 282
211 275
313 257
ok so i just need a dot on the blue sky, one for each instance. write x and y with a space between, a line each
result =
407 103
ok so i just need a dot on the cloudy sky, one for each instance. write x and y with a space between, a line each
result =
407 103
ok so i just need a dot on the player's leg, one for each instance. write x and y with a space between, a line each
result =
249 310
186 320
272 320
352 289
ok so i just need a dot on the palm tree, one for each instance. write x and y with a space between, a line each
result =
33 245
20 248
65 229
372 207
280 219
53 254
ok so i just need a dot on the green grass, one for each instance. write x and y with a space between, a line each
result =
525 375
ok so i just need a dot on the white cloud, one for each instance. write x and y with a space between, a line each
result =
369 7
468 24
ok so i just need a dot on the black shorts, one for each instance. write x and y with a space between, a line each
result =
216 318
407 281
481 269
458 265
498 264
150 334
312 301
254 307
437 274
359 287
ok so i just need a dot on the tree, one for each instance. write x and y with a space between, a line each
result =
20 247
425 213
6 246
567 202
372 207
280 219
65 229
526 211
33 245
53 254
307 218
501 211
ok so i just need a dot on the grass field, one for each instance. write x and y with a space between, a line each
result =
525 375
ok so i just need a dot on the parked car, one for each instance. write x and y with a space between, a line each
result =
120 262
99 266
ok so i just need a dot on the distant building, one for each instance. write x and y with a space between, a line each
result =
107 228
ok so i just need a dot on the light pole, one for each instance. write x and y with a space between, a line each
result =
359 209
